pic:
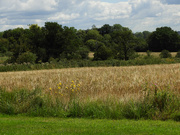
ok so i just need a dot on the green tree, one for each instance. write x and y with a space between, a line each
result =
125 43
4 45
102 53
105 29
164 38
52 33
94 34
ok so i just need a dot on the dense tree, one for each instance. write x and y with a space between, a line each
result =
125 42
102 53
94 34
4 45
164 38
105 29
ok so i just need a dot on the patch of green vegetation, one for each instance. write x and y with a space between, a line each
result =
155 105
35 125
142 60
3 59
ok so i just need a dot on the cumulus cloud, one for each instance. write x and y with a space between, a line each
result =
138 15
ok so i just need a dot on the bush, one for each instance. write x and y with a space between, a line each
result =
102 53
26 57
178 54
165 54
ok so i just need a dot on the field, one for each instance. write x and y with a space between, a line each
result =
150 92
46 126
102 82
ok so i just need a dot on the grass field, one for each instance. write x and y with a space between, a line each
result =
102 82
134 92
11 125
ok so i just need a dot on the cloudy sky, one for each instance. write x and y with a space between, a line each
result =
138 15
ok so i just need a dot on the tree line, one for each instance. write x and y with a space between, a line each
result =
54 41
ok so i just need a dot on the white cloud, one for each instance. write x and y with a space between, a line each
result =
138 15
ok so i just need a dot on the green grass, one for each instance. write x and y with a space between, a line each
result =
161 105
3 59
19 125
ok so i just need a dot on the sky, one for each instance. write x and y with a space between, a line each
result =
138 15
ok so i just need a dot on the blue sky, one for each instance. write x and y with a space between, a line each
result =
138 15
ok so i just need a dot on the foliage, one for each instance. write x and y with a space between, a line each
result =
61 42
164 38
178 54
165 54
102 53
124 44
26 57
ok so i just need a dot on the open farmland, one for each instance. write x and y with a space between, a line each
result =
102 82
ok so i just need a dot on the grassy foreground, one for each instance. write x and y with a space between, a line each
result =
37 125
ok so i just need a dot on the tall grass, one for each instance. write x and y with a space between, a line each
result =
160 105
150 92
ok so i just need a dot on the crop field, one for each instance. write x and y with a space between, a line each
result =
134 92
98 83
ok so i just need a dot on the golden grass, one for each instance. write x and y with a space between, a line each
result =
157 53
101 82
91 54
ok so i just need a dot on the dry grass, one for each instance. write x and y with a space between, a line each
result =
91 54
157 53
102 82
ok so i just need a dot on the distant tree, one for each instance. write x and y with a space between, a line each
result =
105 29
125 43
117 27
94 34
4 45
52 33
93 45
164 38
102 53
178 54
1 34
141 44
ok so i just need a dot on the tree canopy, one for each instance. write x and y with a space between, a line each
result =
164 38
54 41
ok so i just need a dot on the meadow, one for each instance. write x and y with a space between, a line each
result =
150 92
11 125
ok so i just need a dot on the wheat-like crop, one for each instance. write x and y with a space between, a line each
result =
101 82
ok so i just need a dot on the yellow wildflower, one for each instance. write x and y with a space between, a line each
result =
50 88
59 87
72 90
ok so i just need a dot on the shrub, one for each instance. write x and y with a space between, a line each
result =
102 53
26 57
165 54
178 54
